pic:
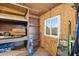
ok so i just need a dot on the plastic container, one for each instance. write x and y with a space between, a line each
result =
6 47
2 48
10 46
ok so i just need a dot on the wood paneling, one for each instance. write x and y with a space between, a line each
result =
40 7
67 13
33 21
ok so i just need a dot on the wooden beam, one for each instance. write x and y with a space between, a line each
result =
34 16
12 9
24 7
12 13
27 15
8 12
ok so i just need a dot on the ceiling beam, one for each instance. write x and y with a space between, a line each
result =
8 11
24 7
12 13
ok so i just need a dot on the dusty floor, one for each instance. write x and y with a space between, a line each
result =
41 52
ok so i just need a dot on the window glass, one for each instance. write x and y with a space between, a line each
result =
48 25
54 26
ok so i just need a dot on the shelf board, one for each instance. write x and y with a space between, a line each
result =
15 53
15 19
12 40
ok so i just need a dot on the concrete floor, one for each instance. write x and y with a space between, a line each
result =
41 52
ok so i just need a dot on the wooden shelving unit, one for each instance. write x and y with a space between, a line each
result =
19 52
15 20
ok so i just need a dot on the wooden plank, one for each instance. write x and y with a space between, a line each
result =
9 26
15 10
11 8
12 18
12 40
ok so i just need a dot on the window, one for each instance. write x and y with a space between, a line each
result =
52 26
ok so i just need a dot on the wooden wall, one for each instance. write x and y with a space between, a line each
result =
67 13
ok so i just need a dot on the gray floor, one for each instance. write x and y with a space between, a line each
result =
41 52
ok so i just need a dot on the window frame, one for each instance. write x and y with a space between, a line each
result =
55 36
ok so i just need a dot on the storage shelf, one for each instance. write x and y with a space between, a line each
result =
12 40
15 53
